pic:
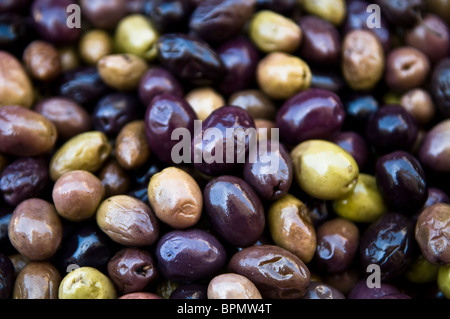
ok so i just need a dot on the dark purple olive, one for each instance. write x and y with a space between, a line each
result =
5 217
50 18
219 20
358 110
311 114
364 291
440 86
6 277
15 33
435 148
234 210
388 242
87 246
396 296
326 80
240 57
392 128
435 196
156 81
320 41
320 290
169 15
114 111
189 255
270 172
132 270
401 181
192 59
11 6
103 14
357 18
83 85
190 291
164 114
276 272
401 12
24 178
355 144
222 143
284 7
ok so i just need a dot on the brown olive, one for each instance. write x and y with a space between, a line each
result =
132 150
37 280
42 60
114 178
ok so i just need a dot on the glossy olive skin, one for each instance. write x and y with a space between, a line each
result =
37 280
389 243
158 80
189 255
115 179
435 149
193 60
132 270
164 114
50 20
401 181
190 291
311 114
86 245
362 291
319 290
24 178
114 111
14 32
5 217
218 20
168 16
132 150
401 13
358 110
430 233
103 14
24 132
205 145
270 184
240 57
255 102
440 80
355 144
83 85
234 210
392 128
320 41
327 80
277 273
6 276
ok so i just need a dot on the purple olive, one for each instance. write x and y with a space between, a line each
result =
164 114
156 81
363 291
401 12
440 86
401 181
190 291
10 6
358 110
234 210
7 277
189 255
355 144
311 114
169 15
223 142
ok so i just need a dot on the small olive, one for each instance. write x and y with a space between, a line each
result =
324 170
232 286
443 280
94 45
42 60
37 280
333 11
132 150
204 100
421 270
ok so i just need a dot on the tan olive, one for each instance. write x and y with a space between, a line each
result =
364 204
271 31
420 104
333 11
86 151
137 35
68 58
232 286
132 150
114 178
37 280
15 85
291 227
255 102
128 221
42 60
281 75
175 197
122 71
324 170
94 45
24 132
204 100
77 194
363 59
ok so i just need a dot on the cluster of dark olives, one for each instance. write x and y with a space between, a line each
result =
119 178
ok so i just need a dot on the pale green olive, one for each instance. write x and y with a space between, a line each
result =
421 270
443 280
324 170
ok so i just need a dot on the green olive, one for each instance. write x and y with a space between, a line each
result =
443 280
136 34
333 11
86 283
324 170
291 227
271 31
86 151
364 204
421 270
